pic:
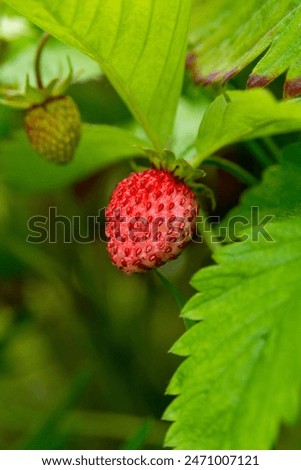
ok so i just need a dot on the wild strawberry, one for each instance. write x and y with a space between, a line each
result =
52 120
53 128
150 219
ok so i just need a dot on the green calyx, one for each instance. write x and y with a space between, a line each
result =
32 96
182 170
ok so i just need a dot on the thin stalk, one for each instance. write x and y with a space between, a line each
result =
140 436
273 148
236 170
206 232
172 289
259 153
89 425
177 296
109 425
41 44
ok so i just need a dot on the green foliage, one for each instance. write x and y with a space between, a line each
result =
243 371
244 115
243 374
140 47
83 359
100 146
14 70
278 194
229 34
47 436
13 27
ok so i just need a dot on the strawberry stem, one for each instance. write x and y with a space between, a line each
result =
275 151
177 296
232 168
207 233
41 44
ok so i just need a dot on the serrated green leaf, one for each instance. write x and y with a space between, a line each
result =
283 52
243 374
139 45
23 169
279 193
245 115
228 35
244 364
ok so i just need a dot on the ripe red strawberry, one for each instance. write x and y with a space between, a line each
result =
54 127
150 218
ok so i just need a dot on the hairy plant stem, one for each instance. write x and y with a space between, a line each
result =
44 38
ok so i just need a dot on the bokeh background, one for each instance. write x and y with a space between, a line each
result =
84 359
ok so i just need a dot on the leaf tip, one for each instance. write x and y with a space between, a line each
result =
191 66
227 76
292 88
211 78
257 81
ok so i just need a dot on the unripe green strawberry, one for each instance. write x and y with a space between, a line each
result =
54 128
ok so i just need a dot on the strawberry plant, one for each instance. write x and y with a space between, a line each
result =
178 123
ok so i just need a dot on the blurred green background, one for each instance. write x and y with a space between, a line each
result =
84 360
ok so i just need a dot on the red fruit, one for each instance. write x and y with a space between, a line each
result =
150 218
